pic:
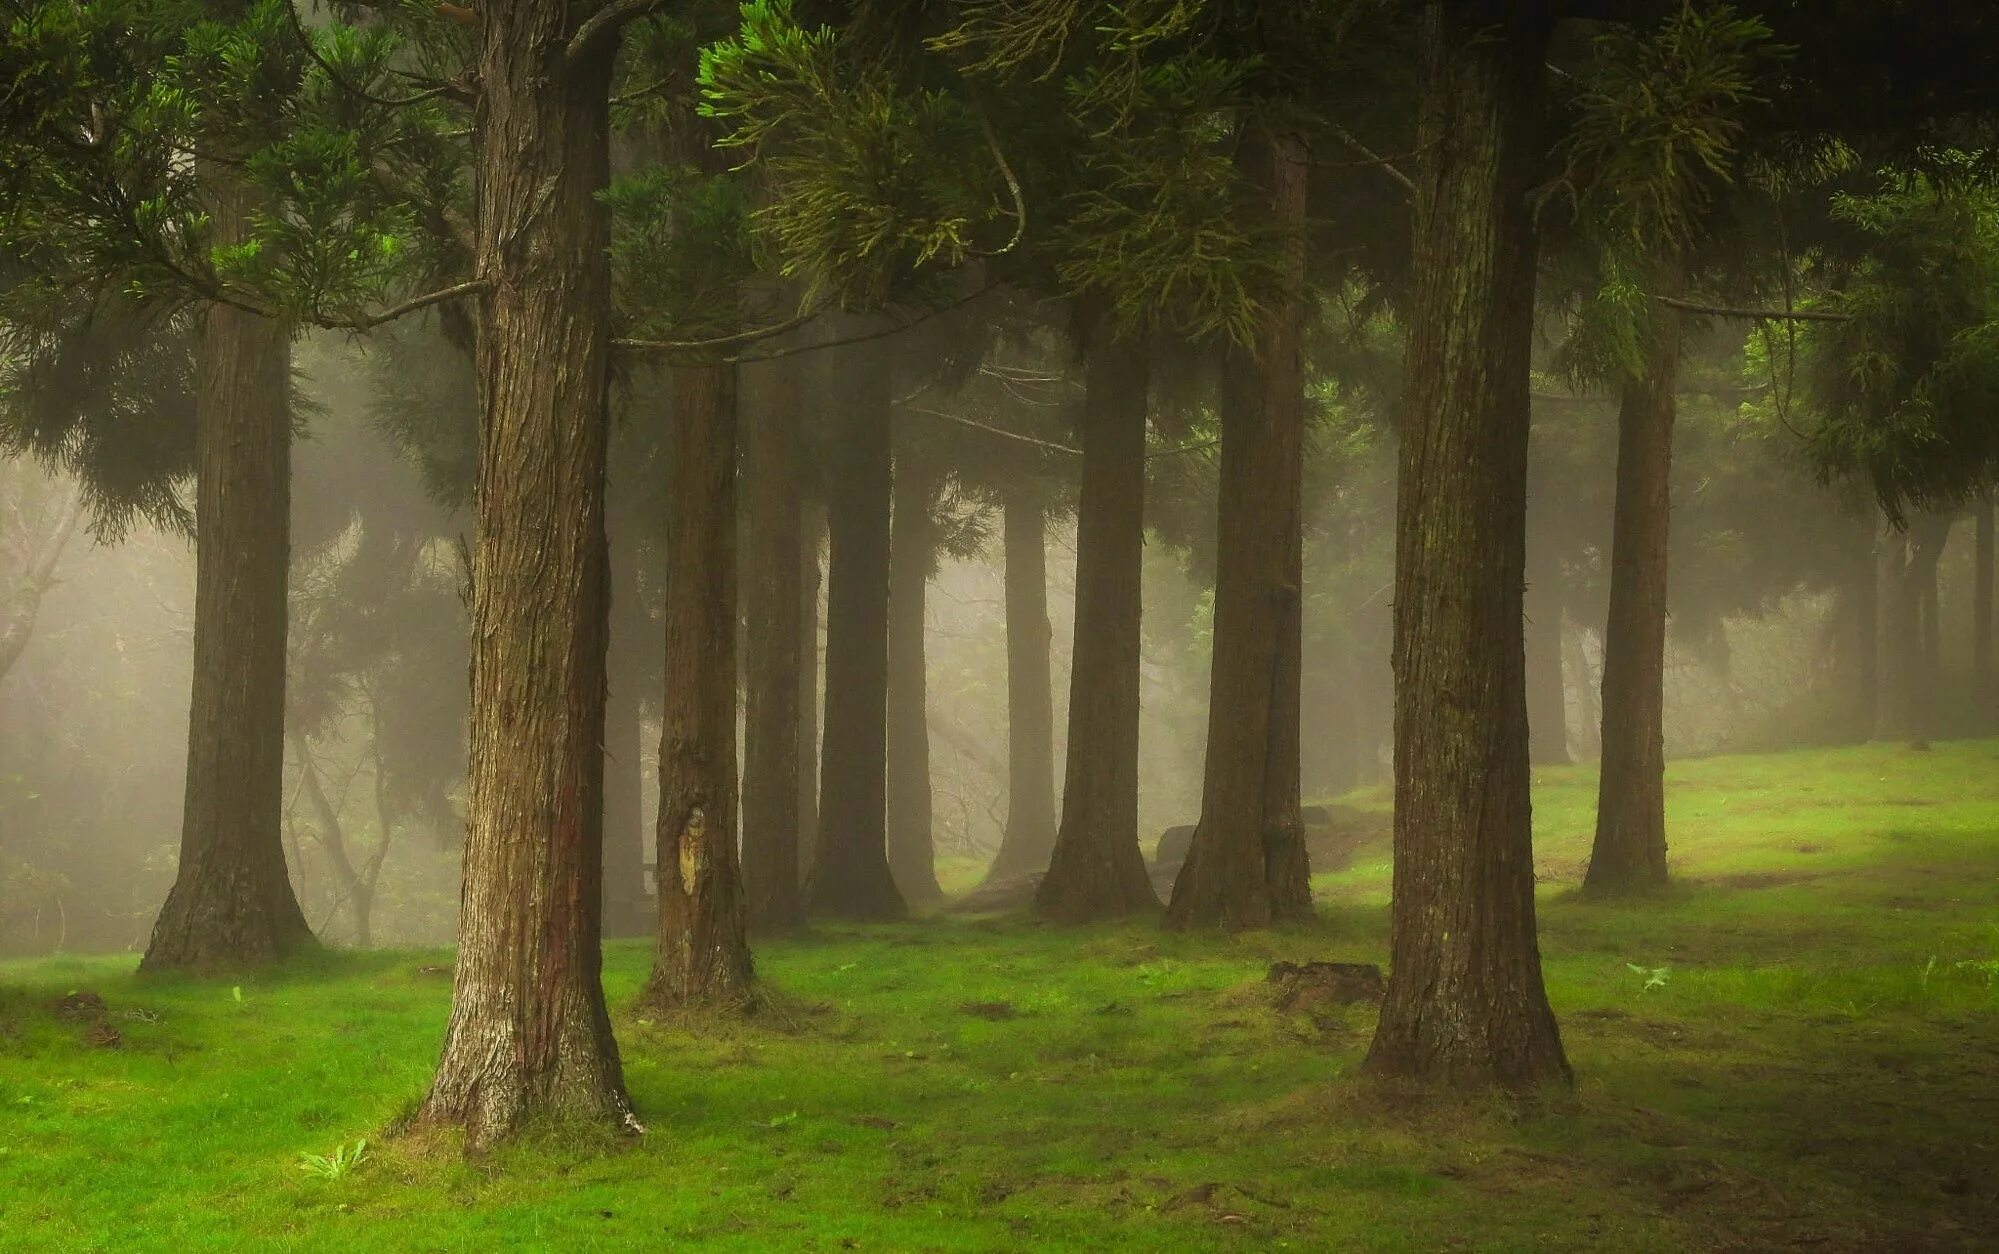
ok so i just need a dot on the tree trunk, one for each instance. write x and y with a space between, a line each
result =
1547 698
348 881
1630 850
1465 1003
35 580
704 953
1246 866
912 852
626 910
813 539
1029 838
529 1037
1981 609
850 874
232 904
1895 708
1927 537
1097 871
774 650
1857 650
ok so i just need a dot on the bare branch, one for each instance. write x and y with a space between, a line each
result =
368 322
605 24
1773 315
720 341
1374 158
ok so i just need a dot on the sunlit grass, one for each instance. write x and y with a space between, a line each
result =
1800 1042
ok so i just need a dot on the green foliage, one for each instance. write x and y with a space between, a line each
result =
1904 390
337 1165
681 250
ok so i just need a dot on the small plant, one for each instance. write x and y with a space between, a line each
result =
1655 977
336 1165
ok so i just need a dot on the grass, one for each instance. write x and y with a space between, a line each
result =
1807 1053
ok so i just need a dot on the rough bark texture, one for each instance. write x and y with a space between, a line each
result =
850 875
529 1037
1097 871
1247 867
1465 1005
232 903
813 539
627 910
1029 838
1630 850
774 608
1547 697
912 852
703 957
1981 607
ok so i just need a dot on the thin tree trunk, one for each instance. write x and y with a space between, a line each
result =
1097 871
850 874
1928 535
773 756
232 903
1856 660
1896 707
1630 850
1029 837
812 540
529 1036
347 880
1246 866
1465 1003
1982 607
626 910
912 851
35 581
1547 698
704 953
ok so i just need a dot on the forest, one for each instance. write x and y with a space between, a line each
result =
999 624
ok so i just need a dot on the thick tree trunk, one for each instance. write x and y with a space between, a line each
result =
1246 866
850 875
704 952
1029 838
1981 608
1630 850
627 911
232 903
1465 1003
529 1037
1097 871
1547 696
912 852
812 540
773 661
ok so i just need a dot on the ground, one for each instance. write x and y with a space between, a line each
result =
1799 1046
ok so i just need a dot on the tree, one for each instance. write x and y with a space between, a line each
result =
1029 837
35 549
1465 1002
912 854
775 592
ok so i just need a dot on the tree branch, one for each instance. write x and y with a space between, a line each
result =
605 24
1733 311
311 46
720 341
1374 158
368 322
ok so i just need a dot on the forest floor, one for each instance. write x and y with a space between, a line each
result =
1799 1046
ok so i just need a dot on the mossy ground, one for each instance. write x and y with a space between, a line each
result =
1807 1054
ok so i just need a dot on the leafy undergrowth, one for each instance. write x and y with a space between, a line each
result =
1797 1046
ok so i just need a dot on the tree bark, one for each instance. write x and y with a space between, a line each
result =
1981 608
1029 838
850 874
1630 850
1547 695
704 953
1905 565
529 1037
627 913
813 539
1097 871
1246 866
773 755
232 903
912 852
1465 1004
1928 535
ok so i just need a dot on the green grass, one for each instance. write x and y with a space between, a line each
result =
1817 1064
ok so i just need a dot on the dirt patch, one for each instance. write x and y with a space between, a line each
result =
991 1011
80 1007
1304 987
1762 879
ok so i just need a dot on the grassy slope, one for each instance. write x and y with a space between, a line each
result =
1803 1072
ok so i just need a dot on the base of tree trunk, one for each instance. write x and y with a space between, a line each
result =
860 893
1089 884
486 1088
223 921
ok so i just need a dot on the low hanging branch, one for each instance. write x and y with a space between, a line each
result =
435 90
369 321
1374 158
603 25
1769 315
720 341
